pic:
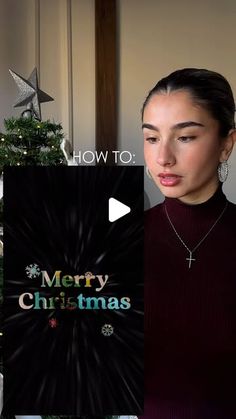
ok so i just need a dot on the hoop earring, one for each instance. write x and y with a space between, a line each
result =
223 170
148 173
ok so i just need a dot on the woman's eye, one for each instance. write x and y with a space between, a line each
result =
152 140
186 139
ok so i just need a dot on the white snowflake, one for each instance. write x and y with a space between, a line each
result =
107 329
33 270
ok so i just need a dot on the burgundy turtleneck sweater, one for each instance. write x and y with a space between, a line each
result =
190 313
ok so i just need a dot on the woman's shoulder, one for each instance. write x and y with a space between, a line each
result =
232 204
231 210
232 207
229 219
153 213
156 207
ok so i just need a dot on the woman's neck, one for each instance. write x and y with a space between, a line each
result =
199 197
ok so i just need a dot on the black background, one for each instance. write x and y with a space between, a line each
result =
57 217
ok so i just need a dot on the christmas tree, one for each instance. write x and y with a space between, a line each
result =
28 140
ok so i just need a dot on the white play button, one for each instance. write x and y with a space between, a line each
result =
117 209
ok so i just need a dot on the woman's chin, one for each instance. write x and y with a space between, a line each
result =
169 192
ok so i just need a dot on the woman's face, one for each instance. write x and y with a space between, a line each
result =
182 147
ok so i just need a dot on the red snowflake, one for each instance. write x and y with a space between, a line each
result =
53 322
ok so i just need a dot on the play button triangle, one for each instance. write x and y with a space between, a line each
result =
117 209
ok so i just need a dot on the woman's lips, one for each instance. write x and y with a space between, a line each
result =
169 179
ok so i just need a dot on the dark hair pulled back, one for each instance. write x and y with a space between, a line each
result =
207 88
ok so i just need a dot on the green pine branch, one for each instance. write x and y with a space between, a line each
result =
28 141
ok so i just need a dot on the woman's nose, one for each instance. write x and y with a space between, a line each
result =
165 155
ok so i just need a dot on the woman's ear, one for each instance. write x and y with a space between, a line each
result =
227 145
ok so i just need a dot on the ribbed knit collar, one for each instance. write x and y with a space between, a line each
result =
193 221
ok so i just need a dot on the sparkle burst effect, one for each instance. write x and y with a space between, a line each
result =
61 222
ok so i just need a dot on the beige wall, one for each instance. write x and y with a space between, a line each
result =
57 36
17 42
155 38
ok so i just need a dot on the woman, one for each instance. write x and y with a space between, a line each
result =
190 290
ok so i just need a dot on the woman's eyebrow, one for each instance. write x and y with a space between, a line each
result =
150 126
187 124
179 125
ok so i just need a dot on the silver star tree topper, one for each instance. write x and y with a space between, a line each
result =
30 94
